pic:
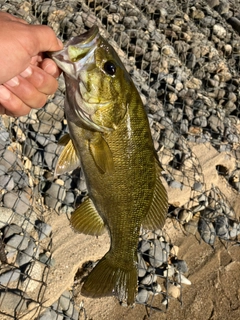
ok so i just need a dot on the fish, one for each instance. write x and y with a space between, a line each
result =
110 138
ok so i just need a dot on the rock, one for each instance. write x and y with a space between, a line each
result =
29 147
46 315
219 31
142 296
47 259
10 230
20 178
43 139
34 277
69 199
222 227
9 276
66 304
173 290
43 230
142 267
50 112
15 301
175 184
54 196
6 182
49 127
149 279
207 231
8 216
19 242
235 23
50 155
181 279
8 159
180 265
17 201
158 253
30 253
213 3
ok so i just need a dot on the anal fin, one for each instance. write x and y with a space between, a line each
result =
86 219
156 215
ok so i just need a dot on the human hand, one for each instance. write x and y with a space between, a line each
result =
26 76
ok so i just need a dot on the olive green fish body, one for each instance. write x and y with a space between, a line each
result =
110 135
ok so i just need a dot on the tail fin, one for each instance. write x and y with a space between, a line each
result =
107 279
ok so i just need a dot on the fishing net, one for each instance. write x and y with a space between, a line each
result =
183 57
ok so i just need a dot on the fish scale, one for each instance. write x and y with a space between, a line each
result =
111 139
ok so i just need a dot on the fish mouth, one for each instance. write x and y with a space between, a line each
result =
77 52
76 56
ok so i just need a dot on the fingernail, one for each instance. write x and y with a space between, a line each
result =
27 72
50 68
13 82
4 93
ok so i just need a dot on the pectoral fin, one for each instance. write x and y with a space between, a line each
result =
156 216
86 219
101 154
68 159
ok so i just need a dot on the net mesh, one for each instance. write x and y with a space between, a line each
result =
184 58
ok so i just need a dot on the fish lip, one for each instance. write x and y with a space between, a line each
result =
86 42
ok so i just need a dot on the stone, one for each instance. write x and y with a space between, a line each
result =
142 296
142 267
6 182
11 229
50 155
149 279
158 253
20 178
50 112
31 252
207 231
18 202
69 199
66 304
8 159
19 242
173 290
13 301
9 276
55 196
49 127
29 147
44 230
180 265
219 31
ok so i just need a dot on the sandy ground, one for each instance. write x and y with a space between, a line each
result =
214 273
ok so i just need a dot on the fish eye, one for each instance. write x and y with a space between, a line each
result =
110 68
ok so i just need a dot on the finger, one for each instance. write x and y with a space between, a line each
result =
7 16
12 105
49 66
26 92
39 34
40 79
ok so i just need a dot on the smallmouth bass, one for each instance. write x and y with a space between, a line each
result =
109 136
